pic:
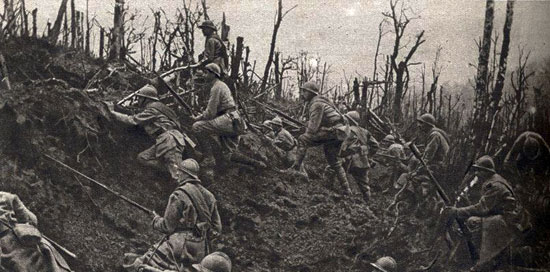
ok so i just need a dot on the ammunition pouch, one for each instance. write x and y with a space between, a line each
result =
239 125
27 234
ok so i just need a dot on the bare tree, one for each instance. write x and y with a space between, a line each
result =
400 22
57 25
279 15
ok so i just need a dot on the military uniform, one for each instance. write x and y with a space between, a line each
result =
220 113
358 146
161 123
190 219
435 156
498 210
324 118
14 256
539 165
215 52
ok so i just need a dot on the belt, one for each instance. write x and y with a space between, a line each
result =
228 110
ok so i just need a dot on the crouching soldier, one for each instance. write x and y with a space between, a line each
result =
161 123
284 140
190 220
324 118
21 247
357 147
214 262
498 211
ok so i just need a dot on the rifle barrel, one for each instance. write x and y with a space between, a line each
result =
133 203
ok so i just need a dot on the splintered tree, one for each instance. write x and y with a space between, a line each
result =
117 35
57 25
400 21
279 15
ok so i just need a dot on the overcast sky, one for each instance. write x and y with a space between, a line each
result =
344 33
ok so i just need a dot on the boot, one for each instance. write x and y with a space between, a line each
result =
300 155
343 179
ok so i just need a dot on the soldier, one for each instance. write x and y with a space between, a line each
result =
284 141
385 264
324 118
191 218
357 148
395 156
15 255
498 210
214 262
214 48
530 153
160 123
220 118
435 152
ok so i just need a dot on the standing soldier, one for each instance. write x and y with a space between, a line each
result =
220 118
357 148
15 254
190 220
160 123
436 151
214 48
324 118
497 210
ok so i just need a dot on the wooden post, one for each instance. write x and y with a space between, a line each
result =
73 25
49 29
81 30
101 42
356 93
225 29
236 60
34 11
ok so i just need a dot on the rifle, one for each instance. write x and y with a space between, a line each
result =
54 244
471 248
282 114
178 69
175 95
131 202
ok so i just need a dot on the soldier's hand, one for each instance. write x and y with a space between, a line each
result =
110 105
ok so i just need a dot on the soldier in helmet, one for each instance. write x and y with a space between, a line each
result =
220 119
498 210
324 118
190 219
357 148
214 262
160 123
530 153
394 156
15 254
214 48
385 264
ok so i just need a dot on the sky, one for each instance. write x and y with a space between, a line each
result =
344 32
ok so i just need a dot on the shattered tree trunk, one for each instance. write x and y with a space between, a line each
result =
155 39
101 42
276 26
65 30
24 19
73 25
115 51
58 21
480 109
34 29
356 94
236 60
277 91
87 47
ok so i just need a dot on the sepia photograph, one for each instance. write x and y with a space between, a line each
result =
274 135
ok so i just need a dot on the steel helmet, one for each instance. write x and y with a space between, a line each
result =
427 118
311 86
267 123
385 264
485 163
277 121
214 262
353 116
208 24
531 148
148 91
214 69
389 138
190 167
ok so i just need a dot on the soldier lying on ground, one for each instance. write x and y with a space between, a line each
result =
190 221
357 148
499 214
160 123
21 253
324 118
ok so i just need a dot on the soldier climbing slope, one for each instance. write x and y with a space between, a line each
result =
498 211
161 123
220 121
394 156
357 148
214 48
190 221
324 118
20 252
